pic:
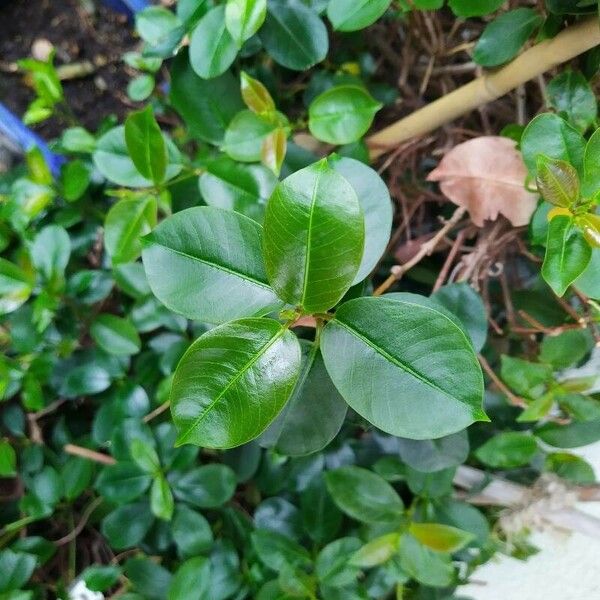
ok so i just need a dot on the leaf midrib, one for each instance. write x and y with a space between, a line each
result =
313 201
214 265
234 380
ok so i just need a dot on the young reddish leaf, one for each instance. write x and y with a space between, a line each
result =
487 176
255 95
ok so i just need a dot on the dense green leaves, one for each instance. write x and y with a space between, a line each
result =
502 39
314 236
567 254
423 378
193 255
294 35
227 403
351 15
342 114
570 94
364 495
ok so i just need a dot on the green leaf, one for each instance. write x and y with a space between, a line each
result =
146 145
126 526
233 186
100 578
442 538
474 8
207 107
429 456
571 94
294 35
244 18
15 286
76 476
524 377
405 367
189 261
426 566
85 380
377 551
237 396
352 15
209 486
273 149
464 302
590 226
149 578
161 498
276 550
140 87
246 135
122 482
567 348
570 467
191 532
342 114
567 254
190 579
113 161
295 432
75 178
557 181
552 136
572 435
314 236
15 569
589 281
591 165
126 222
160 29
320 516
363 495
212 49
50 251
145 456
374 199
8 460
255 95
507 450
502 39
115 335
333 566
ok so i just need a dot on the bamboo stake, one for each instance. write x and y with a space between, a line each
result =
540 58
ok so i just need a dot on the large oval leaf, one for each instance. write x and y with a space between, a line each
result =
205 263
112 160
351 15
212 49
342 114
407 368
374 199
294 35
243 18
233 381
207 107
314 236
314 414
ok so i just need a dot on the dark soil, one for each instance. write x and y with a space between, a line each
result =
100 38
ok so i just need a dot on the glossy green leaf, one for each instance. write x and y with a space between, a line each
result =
333 566
552 136
207 107
127 525
100 578
209 486
374 199
50 251
442 538
314 234
85 380
149 578
191 532
273 149
571 435
212 49
126 222
76 476
294 35
8 459
192 256
590 226
140 87
160 29
247 133
225 403
567 254
115 335
275 550
507 450
15 569
377 551
474 8
429 456
525 378
566 349
244 18
557 181
15 286
190 579
161 498
424 380
146 145
363 495
75 178
352 15
296 432
428 567
589 281
342 114
502 39
570 467
320 516
122 482
234 186
591 165
571 94
113 161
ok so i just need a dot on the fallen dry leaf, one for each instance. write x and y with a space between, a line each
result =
486 175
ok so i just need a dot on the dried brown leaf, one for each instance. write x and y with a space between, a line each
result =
487 175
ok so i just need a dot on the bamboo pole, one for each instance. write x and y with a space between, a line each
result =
538 59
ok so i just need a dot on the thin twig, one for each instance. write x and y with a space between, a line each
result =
89 454
157 411
82 523
514 400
